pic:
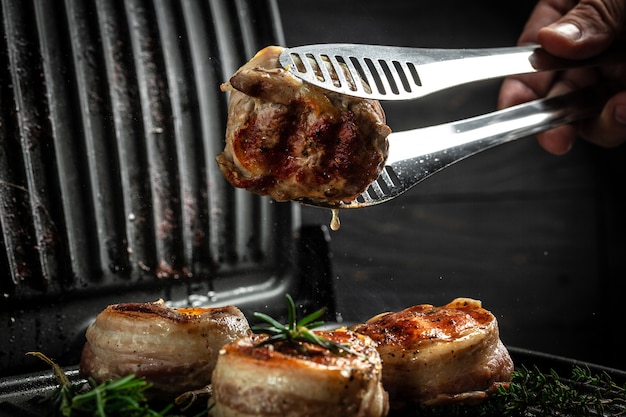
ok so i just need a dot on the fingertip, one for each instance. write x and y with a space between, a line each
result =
514 91
560 39
619 113
608 130
578 35
566 30
557 141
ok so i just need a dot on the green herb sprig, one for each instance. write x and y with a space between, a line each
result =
532 393
123 397
298 332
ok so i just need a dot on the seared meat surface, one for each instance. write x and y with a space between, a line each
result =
291 140
173 348
301 380
438 355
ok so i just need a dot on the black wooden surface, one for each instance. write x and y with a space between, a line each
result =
538 238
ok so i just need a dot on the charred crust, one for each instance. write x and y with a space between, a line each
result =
158 309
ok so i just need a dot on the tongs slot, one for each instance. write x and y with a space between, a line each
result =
402 74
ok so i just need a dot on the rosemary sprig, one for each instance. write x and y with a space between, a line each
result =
121 397
61 398
298 332
124 396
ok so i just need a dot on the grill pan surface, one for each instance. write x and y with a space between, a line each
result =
110 121
23 396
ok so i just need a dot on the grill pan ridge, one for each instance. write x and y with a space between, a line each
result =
110 121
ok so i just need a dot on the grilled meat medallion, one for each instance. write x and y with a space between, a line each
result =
173 348
299 380
291 140
439 355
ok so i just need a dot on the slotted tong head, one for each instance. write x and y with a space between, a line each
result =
398 73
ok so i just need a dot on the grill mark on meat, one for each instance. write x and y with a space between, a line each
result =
332 139
180 315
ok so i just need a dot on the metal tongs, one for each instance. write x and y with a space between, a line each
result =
396 73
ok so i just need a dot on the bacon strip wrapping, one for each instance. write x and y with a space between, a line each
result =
280 379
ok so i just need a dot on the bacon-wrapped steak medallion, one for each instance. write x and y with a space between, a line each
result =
438 355
292 141
173 348
252 379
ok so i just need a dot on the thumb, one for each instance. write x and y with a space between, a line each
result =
586 30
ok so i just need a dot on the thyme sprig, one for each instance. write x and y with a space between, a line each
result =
532 393
298 331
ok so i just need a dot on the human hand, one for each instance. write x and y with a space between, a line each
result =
574 30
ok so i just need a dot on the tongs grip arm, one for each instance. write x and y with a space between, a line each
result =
439 146
398 73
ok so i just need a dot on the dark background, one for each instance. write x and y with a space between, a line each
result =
538 238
